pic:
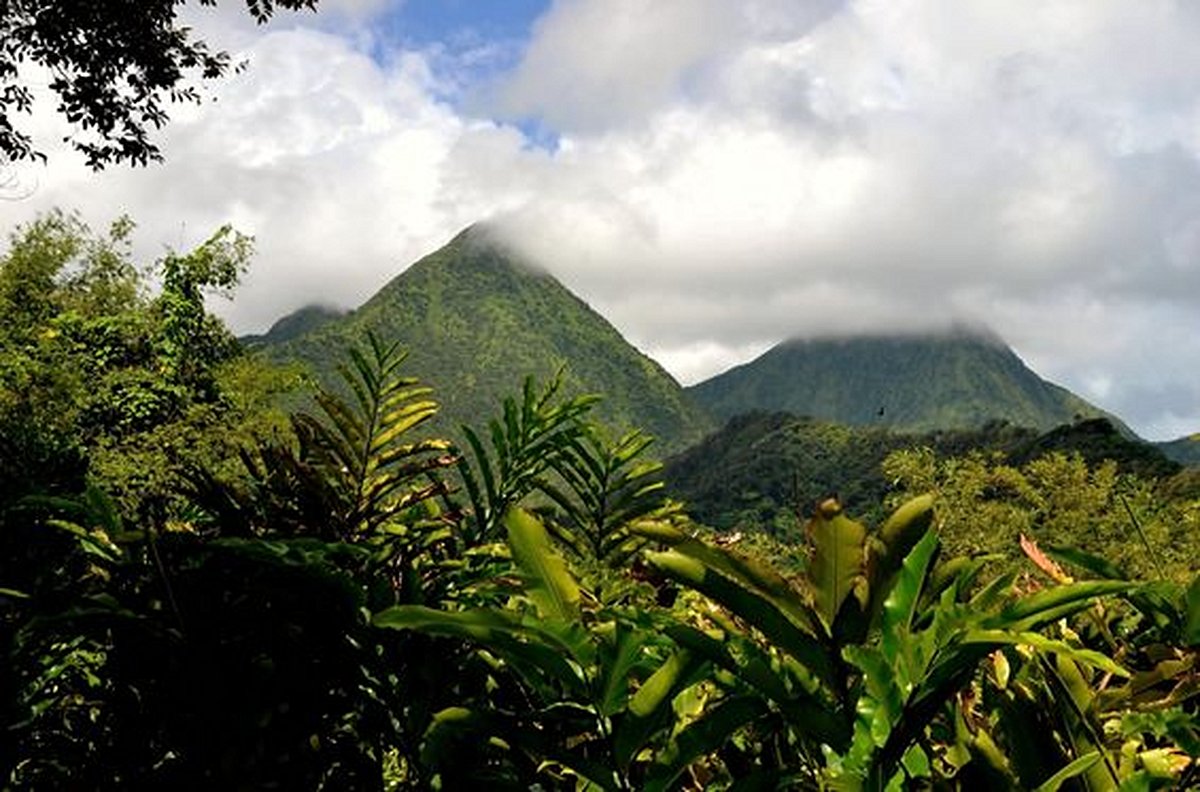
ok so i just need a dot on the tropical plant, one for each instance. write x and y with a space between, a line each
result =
526 441
607 488
581 691
1137 732
850 668
142 624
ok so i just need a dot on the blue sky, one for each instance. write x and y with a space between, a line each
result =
431 21
717 175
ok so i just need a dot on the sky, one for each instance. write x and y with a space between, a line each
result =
714 176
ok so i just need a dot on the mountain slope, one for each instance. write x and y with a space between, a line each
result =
763 467
476 320
297 323
958 379
1185 450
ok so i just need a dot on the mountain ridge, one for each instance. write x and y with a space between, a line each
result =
958 378
476 318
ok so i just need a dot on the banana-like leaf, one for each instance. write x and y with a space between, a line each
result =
886 552
1072 770
1045 606
900 533
747 572
837 562
996 638
751 605
901 604
547 582
540 655
649 709
480 624
655 689
701 737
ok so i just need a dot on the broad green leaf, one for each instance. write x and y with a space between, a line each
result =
739 570
837 562
901 603
538 654
905 527
702 737
882 700
1042 643
654 690
1053 603
752 606
1100 567
548 583
1072 770
626 653
650 707
479 624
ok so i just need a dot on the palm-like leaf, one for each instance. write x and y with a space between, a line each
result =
526 441
607 487
359 443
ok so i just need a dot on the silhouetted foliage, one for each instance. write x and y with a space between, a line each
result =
114 67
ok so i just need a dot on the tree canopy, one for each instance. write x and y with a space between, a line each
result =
114 66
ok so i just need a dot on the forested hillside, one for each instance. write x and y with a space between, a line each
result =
767 469
476 320
957 379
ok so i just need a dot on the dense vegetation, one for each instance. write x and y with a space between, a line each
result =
765 469
959 379
476 319
197 593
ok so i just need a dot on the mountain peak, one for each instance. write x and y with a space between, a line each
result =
957 330
476 318
482 245
961 377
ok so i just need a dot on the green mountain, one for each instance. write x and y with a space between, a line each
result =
958 379
761 467
1185 450
297 323
476 320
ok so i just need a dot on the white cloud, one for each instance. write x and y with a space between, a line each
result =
731 173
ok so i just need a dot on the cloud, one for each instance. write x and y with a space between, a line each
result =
928 163
726 174
334 162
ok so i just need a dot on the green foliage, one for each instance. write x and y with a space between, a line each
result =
317 611
607 490
762 470
582 719
102 380
861 687
359 445
525 444
122 652
986 504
